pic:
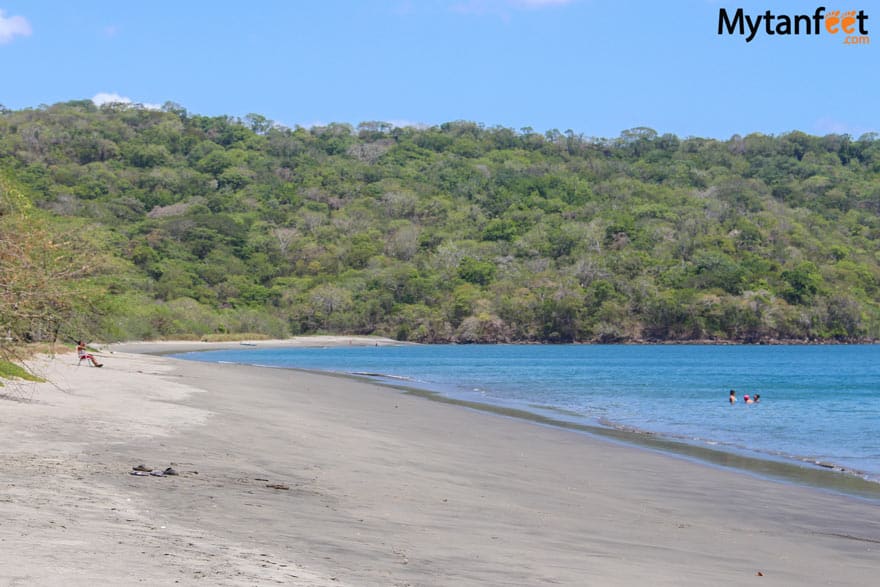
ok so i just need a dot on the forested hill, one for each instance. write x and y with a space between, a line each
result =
197 225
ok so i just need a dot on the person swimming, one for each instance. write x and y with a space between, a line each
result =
757 397
748 399
732 396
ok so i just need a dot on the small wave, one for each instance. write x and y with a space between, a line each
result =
559 410
382 375
835 467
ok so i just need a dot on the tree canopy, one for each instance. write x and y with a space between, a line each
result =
171 223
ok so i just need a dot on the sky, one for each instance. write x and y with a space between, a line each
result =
595 67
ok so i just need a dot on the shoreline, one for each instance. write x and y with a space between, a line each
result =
319 340
304 479
820 475
816 475
170 347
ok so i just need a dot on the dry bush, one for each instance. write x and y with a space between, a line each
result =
39 269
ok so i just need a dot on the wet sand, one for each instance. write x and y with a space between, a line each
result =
295 478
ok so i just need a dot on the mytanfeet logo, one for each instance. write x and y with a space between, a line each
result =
850 25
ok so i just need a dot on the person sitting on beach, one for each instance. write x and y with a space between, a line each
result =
84 354
732 396
747 399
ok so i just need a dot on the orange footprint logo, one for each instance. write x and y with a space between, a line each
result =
848 22
832 19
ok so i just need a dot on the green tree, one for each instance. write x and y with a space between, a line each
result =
802 282
476 272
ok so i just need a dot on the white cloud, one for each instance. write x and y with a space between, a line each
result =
102 98
409 124
13 26
394 122
312 124
829 125
404 123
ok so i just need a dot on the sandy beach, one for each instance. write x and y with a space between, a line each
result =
294 478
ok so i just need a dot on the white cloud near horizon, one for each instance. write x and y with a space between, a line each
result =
830 125
396 123
403 123
102 98
13 26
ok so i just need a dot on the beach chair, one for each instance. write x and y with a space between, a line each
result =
83 355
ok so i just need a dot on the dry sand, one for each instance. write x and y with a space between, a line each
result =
383 488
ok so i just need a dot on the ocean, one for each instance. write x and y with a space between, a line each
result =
819 408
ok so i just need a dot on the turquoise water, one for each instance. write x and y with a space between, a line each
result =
818 403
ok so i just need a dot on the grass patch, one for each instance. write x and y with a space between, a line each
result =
12 371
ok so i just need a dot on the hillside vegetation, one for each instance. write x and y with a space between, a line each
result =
164 223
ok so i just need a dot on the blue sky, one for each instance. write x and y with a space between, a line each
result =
596 67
